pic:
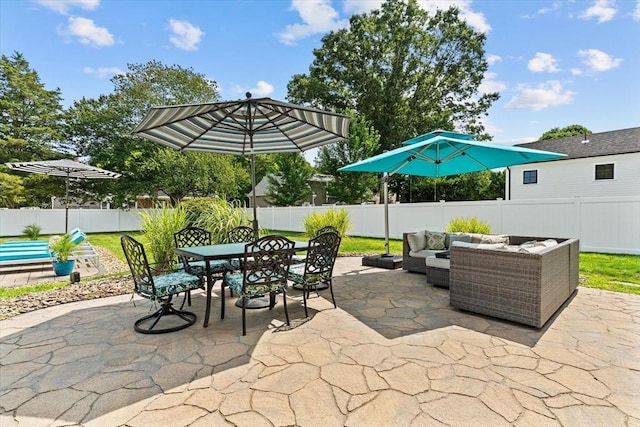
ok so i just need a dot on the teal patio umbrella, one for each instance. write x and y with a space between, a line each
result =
442 153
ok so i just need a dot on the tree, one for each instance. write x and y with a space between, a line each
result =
289 186
100 128
404 71
350 187
570 130
30 123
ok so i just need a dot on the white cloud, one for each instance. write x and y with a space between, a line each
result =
555 6
63 6
576 71
102 72
545 95
262 88
185 35
89 33
603 10
598 60
475 19
636 11
318 16
492 59
543 62
490 84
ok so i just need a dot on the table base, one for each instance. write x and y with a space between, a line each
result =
256 302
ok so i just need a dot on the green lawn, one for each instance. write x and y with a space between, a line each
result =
620 273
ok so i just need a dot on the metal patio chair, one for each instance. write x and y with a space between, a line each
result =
266 265
318 267
158 287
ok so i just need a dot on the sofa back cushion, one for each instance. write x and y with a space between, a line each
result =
417 241
457 237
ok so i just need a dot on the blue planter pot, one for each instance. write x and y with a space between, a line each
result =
63 268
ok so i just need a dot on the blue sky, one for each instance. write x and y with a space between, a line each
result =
555 63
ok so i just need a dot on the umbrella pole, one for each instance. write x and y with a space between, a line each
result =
385 179
253 195
66 208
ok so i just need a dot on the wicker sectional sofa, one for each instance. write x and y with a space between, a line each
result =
523 287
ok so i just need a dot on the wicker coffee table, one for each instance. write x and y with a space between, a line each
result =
437 271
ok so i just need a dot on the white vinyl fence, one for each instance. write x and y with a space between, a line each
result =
603 224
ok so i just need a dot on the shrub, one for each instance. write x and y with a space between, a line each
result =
336 218
61 247
468 225
159 226
32 231
216 215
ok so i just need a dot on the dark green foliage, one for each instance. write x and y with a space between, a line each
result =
289 186
404 71
350 187
571 130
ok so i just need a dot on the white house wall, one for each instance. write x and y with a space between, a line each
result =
575 177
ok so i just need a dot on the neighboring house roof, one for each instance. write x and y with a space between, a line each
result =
622 141
263 185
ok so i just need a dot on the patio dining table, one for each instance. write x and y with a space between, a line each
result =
225 251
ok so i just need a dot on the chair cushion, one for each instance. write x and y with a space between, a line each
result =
234 281
199 267
170 284
296 274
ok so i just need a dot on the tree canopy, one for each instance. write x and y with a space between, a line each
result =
350 187
289 184
404 71
570 130
30 122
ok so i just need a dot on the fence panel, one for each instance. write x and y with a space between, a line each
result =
603 224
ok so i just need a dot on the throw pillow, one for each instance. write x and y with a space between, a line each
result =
435 240
492 238
417 241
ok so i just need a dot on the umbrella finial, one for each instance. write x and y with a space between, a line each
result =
248 95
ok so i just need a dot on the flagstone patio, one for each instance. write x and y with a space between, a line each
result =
392 353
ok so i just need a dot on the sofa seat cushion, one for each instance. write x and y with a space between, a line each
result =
423 253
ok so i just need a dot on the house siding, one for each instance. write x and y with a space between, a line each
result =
576 177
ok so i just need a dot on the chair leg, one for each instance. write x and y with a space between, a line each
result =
165 310
304 299
272 300
332 297
284 301
244 310
222 298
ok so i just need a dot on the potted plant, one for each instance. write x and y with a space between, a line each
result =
61 248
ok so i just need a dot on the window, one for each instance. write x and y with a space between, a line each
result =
604 171
530 177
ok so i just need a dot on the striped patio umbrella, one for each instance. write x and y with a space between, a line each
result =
244 127
66 168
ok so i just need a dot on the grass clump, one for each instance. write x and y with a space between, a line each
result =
159 226
217 215
468 225
339 219
31 231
